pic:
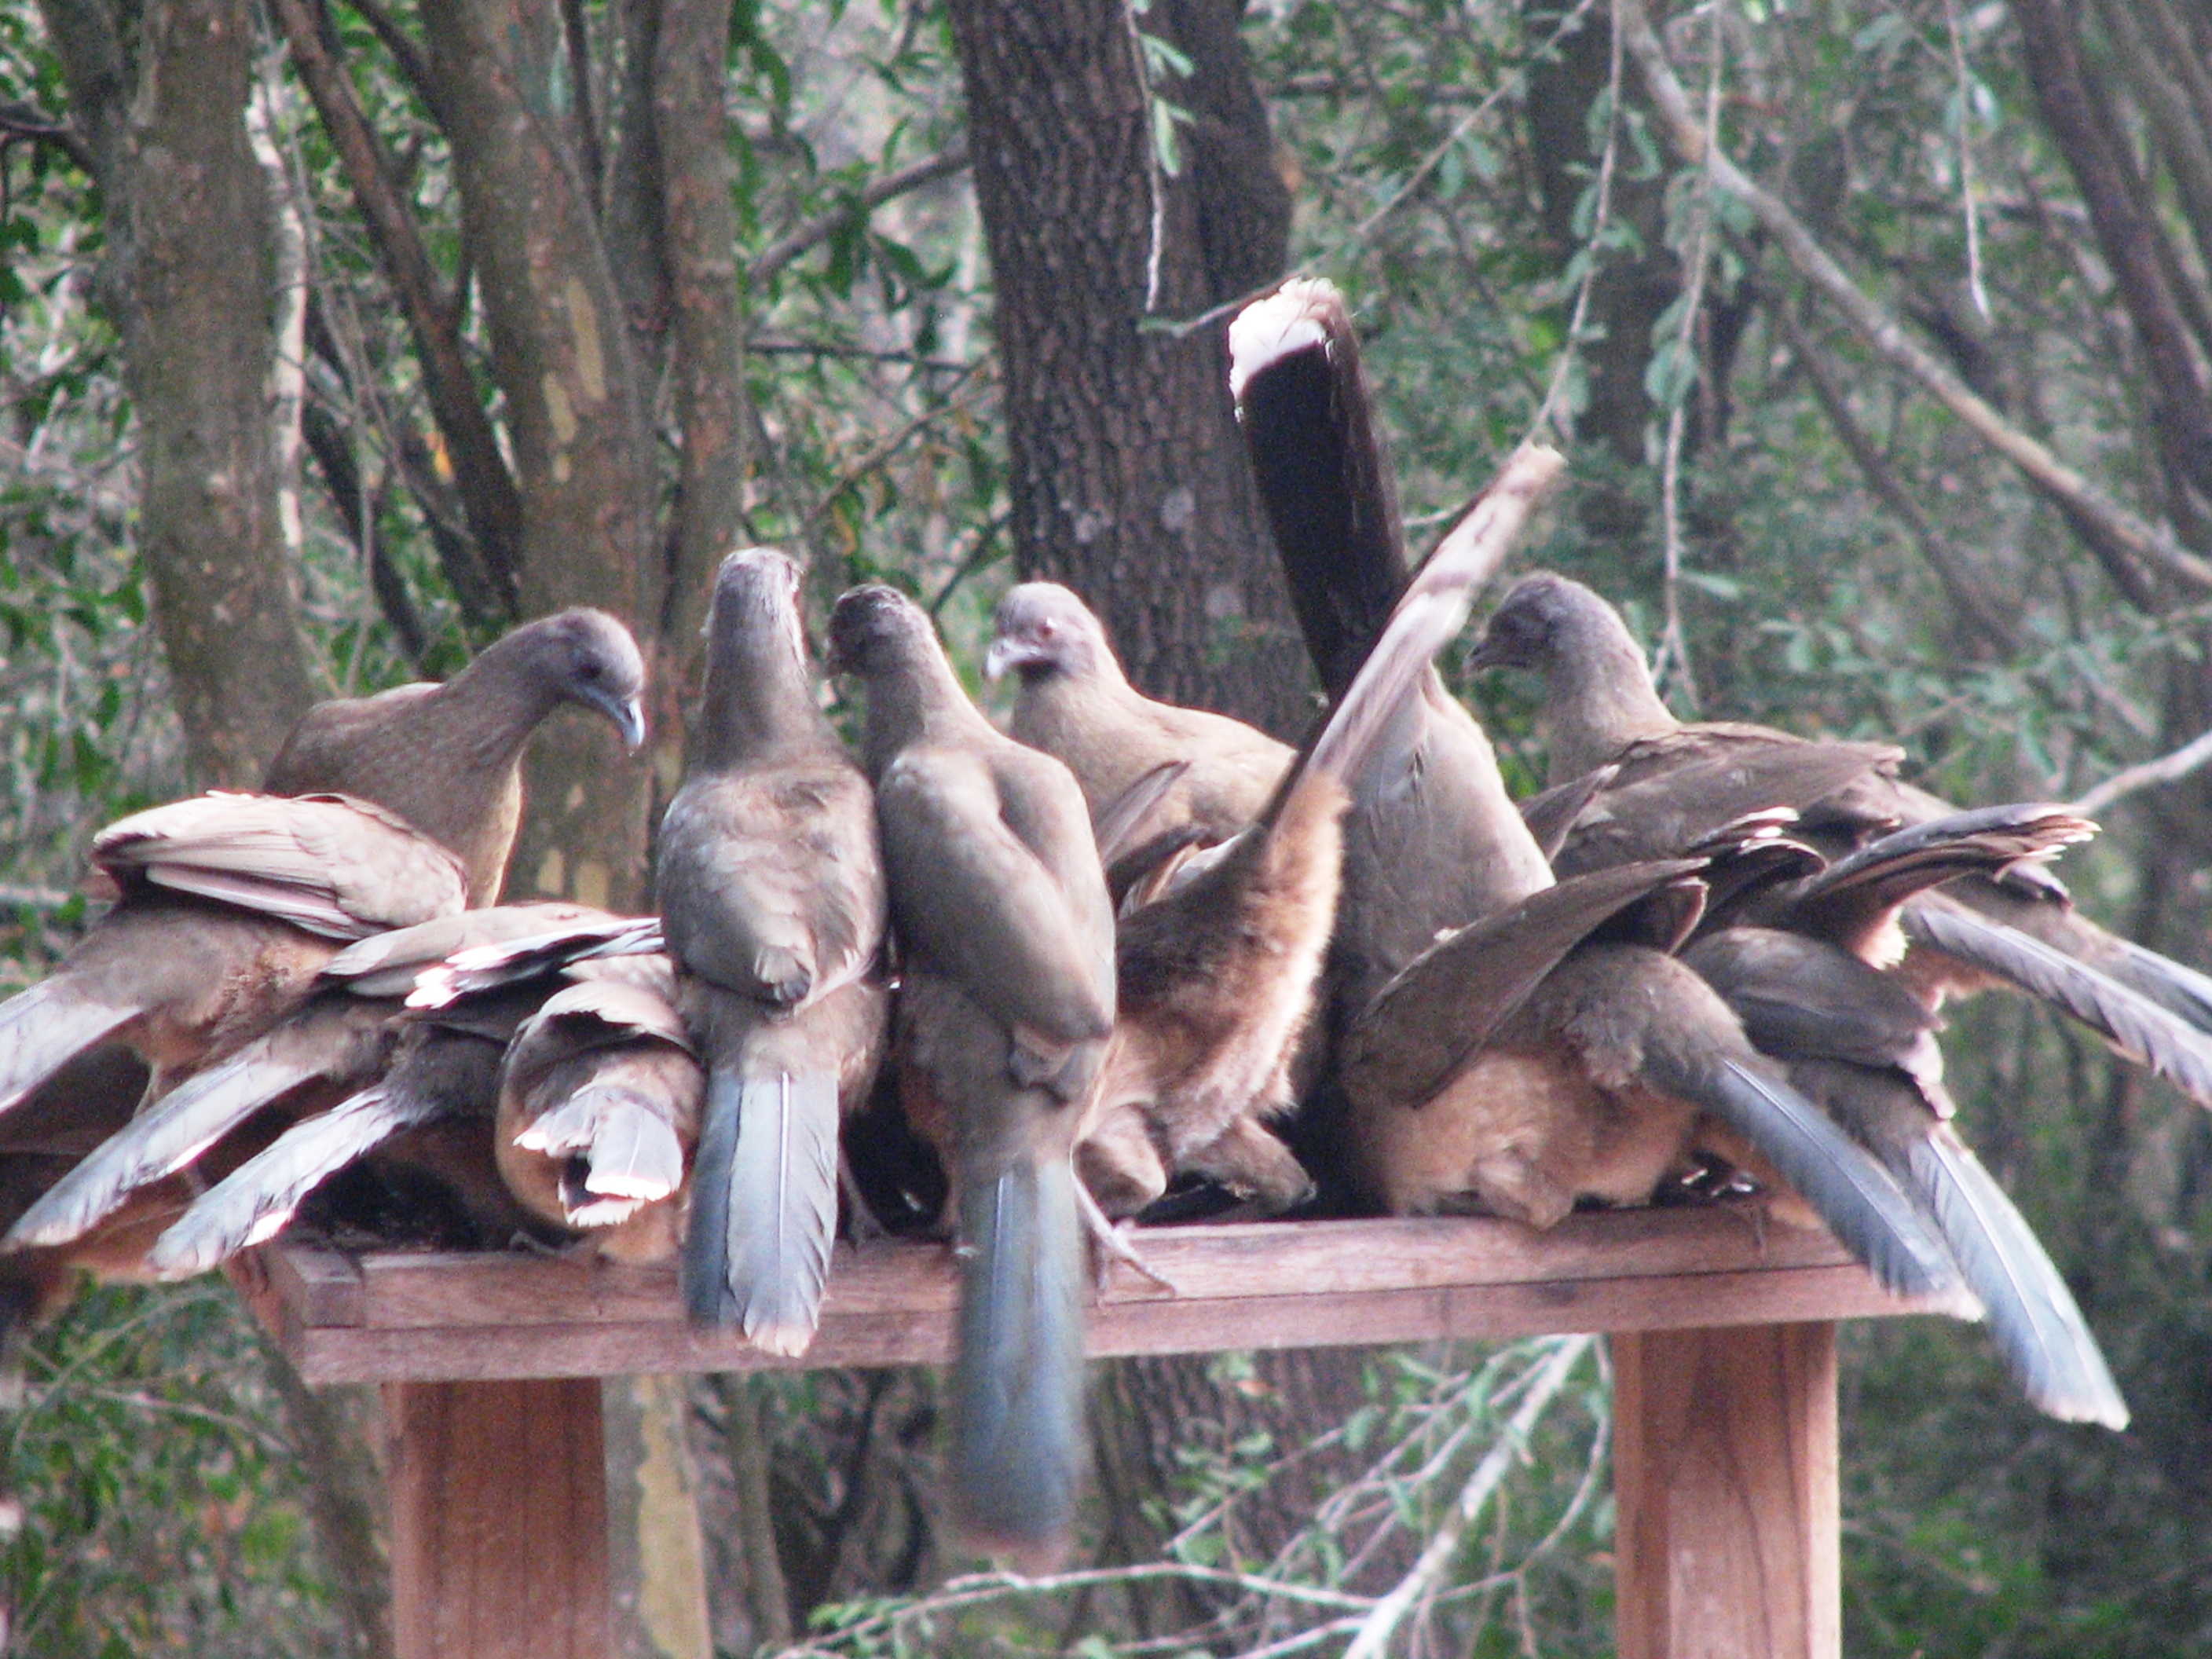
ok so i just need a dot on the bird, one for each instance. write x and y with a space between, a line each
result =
770 888
600 1099
447 756
1501 1037
407 1096
1074 703
336 1043
1006 938
372 812
2011 925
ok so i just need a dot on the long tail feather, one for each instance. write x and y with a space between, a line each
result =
2135 1027
2174 986
167 1137
2033 1316
42 1029
773 1172
1854 1194
255 1200
1018 1382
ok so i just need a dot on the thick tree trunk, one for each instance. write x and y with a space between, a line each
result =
187 283
576 412
1129 482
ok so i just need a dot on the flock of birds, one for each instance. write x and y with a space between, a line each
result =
1123 950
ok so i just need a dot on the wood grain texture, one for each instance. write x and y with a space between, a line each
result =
498 1511
1725 1476
1270 1285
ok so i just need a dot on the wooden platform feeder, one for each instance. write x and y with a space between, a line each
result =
1724 1350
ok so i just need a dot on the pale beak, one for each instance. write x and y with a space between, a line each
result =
1007 652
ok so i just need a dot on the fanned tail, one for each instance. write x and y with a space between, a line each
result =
1863 1206
1018 1382
622 1155
2135 1027
42 1029
255 1201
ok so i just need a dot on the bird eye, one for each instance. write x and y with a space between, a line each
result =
1046 630
587 670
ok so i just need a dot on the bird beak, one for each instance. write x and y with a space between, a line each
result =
1007 652
1486 654
628 716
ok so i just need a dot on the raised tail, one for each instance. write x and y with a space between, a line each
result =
2134 1026
2033 1316
255 1200
764 1207
618 1154
1017 1380
1863 1206
46 1026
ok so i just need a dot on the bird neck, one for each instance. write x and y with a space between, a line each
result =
912 697
1598 699
760 698
498 700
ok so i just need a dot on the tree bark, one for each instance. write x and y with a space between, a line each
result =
187 282
1128 479
576 413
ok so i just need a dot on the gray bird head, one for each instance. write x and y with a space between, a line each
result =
757 597
1543 618
1045 629
874 627
587 657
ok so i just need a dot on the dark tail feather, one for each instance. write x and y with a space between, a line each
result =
2033 1316
1018 1382
2137 1027
1853 1193
782 1213
2174 986
255 1200
43 1028
163 1138
707 1247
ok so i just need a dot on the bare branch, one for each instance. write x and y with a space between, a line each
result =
952 159
30 121
2083 501
2167 768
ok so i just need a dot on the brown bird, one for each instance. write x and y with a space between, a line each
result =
1501 1038
334 1044
600 1098
2012 924
448 757
1076 704
225 907
1006 936
410 1091
770 888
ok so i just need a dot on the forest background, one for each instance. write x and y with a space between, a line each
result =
335 334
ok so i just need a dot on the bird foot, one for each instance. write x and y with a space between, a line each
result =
1110 1243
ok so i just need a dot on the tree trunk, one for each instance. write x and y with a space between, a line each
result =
187 282
1128 479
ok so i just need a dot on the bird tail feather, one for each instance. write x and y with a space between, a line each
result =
764 1207
2133 1025
44 1028
1863 1206
1017 1381
164 1139
255 1201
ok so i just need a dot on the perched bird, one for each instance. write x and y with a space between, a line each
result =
1500 1038
2012 924
770 890
1076 704
1006 936
600 1098
226 906
447 757
331 1046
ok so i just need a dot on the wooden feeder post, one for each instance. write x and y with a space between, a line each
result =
1724 1345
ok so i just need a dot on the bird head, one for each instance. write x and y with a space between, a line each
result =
757 598
1539 618
1045 629
591 658
872 628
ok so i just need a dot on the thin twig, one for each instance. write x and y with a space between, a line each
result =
1967 159
1474 1496
1601 217
952 159
2167 768
2155 544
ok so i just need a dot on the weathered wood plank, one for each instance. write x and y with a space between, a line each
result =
1725 1478
499 1512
